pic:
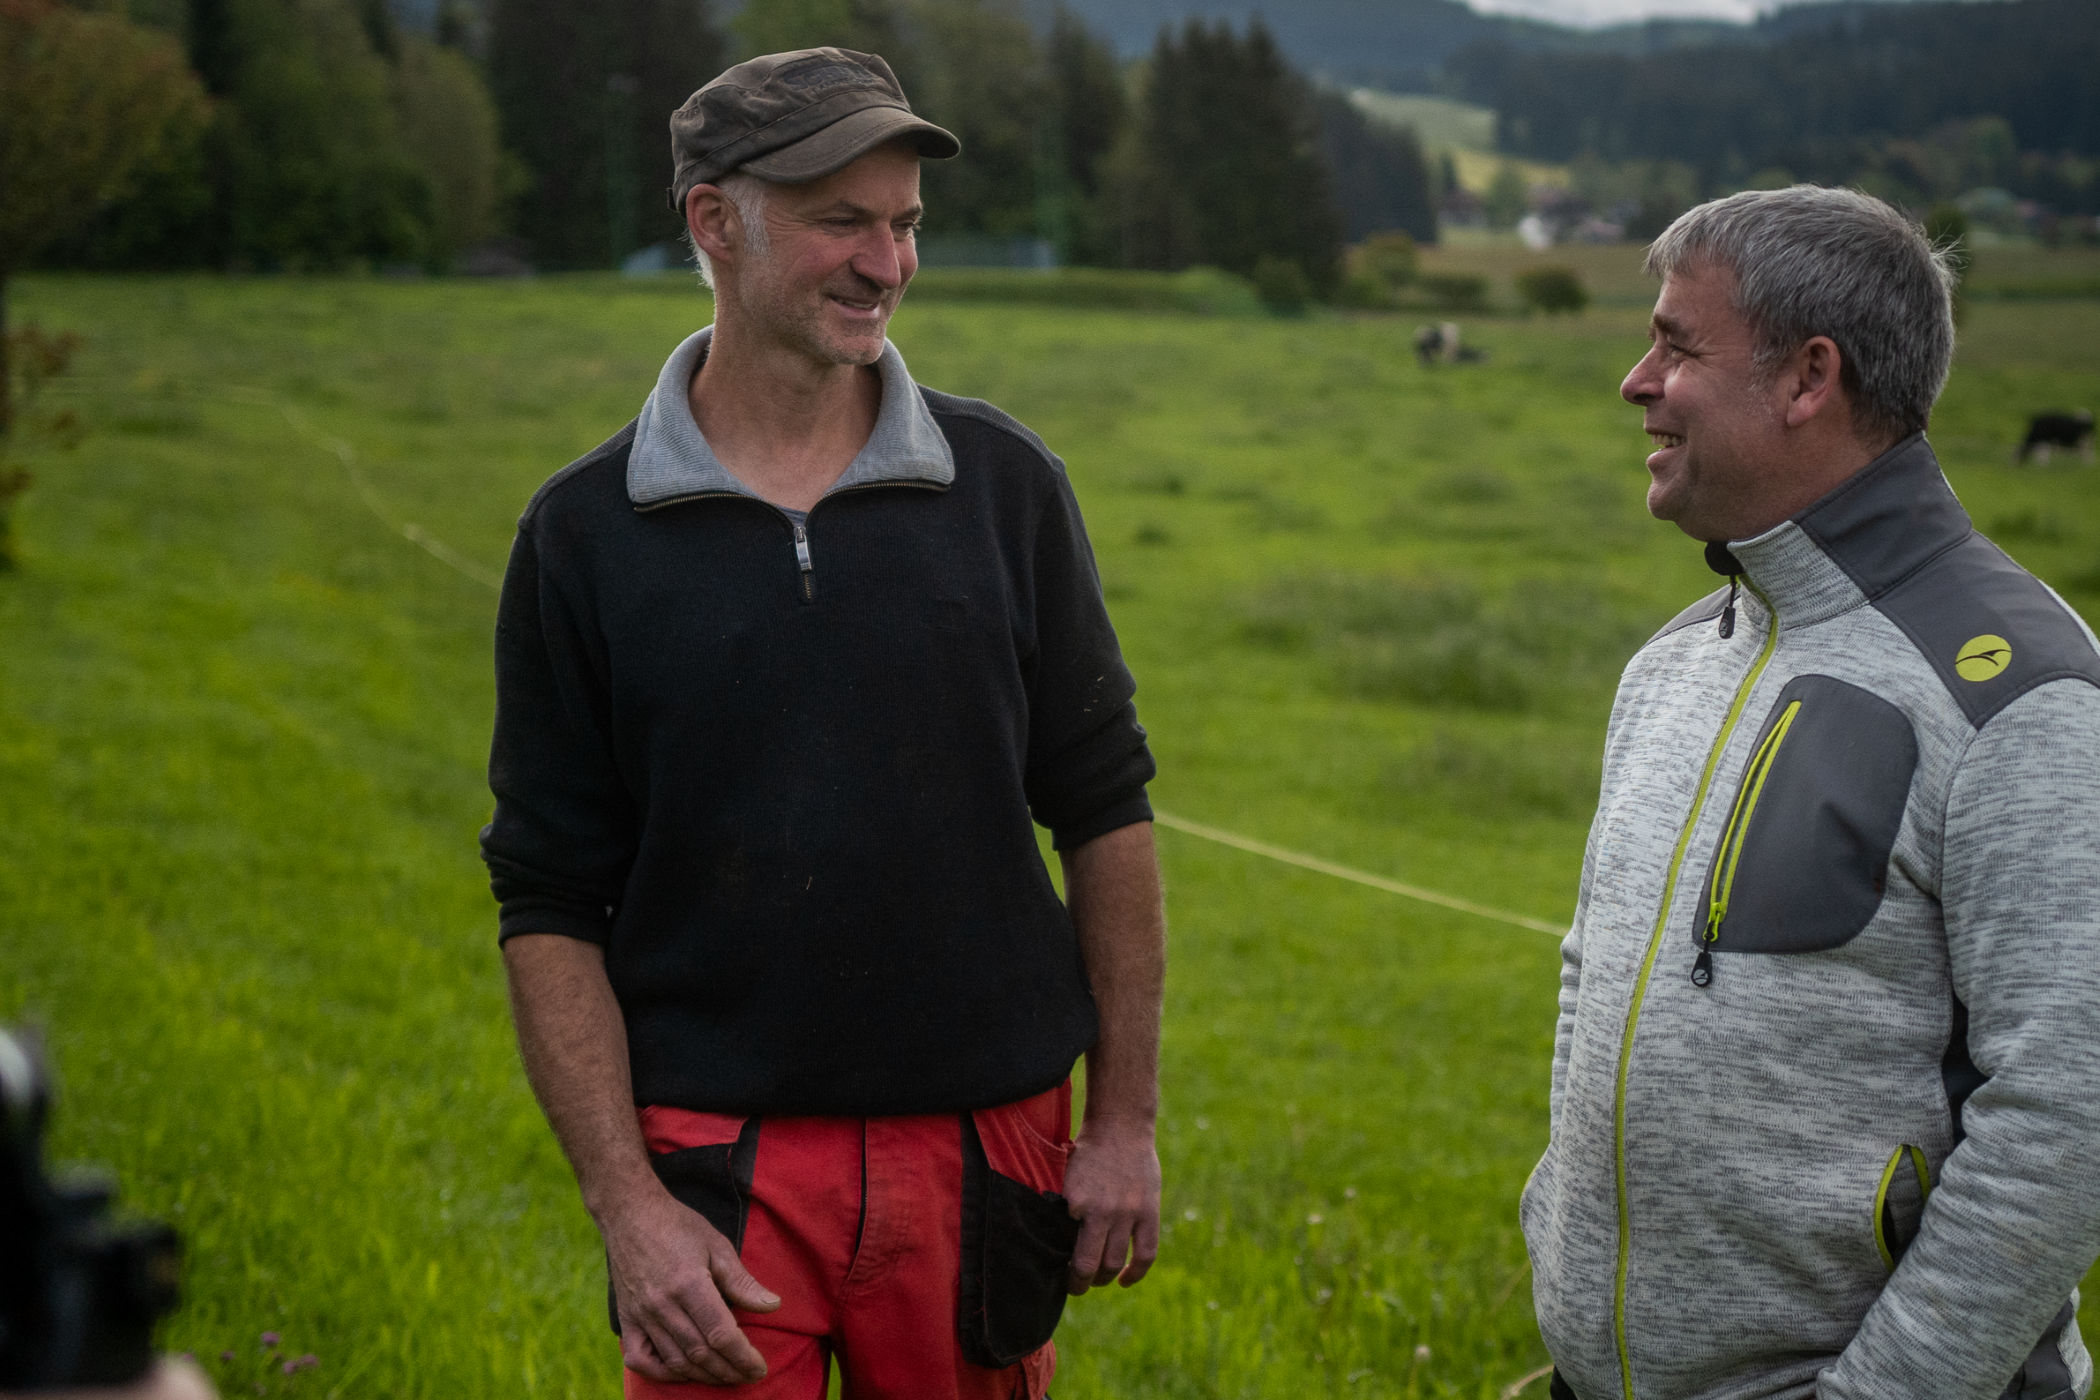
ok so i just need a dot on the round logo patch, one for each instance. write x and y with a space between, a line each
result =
1981 658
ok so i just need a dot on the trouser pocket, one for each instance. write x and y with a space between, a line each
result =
710 1178
1017 1240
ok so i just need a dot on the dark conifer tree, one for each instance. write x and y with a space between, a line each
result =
1381 180
1227 170
1090 115
586 93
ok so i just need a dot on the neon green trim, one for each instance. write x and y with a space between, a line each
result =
1882 1244
1640 986
1730 854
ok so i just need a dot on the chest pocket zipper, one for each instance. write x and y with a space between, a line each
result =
1721 885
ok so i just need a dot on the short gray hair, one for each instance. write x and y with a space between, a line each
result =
1810 261
747 195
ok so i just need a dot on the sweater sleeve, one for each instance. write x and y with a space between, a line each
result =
1087 759
2014 1220
562 840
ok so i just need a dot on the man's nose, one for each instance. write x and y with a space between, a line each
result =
1643 383
879 260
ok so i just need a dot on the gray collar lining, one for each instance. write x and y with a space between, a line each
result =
671 459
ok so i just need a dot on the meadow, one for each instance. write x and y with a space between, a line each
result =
1375 610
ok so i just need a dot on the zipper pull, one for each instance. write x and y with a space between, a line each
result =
1703 968
1728 621
809 575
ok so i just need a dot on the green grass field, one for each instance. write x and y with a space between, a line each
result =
1375 612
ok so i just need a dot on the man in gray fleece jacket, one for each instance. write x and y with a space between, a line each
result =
1826 1082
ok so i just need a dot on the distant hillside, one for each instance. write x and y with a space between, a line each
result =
1401 45
1815 89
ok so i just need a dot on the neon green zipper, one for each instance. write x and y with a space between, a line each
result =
1640 986
1730 853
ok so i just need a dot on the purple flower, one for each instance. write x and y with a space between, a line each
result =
290 1366
225 1356
309 1360
269 1339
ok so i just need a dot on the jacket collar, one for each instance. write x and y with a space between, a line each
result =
670 460
1882 525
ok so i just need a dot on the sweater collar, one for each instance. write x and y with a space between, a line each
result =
1876 529
670 458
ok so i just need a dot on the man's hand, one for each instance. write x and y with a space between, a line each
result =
676 1278
671 1269
1112 1176
1112 1187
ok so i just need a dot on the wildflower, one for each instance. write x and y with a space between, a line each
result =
225 1356
269 1339
309 1360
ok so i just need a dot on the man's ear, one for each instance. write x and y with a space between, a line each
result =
1814 381
713 222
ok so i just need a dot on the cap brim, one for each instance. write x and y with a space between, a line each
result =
848 139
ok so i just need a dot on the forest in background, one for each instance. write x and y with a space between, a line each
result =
532 133
1916 103
498 135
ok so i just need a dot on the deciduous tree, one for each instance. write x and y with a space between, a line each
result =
85 101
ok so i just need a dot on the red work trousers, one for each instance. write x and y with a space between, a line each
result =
856 1223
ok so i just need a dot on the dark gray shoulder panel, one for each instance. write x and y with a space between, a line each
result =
1889 518
1989 627
614 446
957 407
1705 610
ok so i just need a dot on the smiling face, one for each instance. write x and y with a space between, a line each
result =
1719 424
839 253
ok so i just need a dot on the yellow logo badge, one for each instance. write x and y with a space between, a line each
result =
1981 658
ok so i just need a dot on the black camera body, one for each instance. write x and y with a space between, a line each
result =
79 1293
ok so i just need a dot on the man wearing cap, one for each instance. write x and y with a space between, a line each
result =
784 671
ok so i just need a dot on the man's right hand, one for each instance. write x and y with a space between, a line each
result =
676 1278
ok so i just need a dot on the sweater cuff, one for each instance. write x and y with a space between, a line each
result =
529 915
1128 812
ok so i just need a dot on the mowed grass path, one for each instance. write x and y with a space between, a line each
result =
1375 612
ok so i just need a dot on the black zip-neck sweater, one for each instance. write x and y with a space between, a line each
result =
786 781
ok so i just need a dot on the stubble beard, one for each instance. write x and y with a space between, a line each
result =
801 322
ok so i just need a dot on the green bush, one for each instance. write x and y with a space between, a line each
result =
1377 269
1281 283
1198 291
1455 291
1552 289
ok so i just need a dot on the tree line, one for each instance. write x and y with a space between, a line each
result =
334 135
1884 96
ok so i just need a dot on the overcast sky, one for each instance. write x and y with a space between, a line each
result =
1590 13
1593 13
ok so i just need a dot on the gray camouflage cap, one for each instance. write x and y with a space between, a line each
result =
795 117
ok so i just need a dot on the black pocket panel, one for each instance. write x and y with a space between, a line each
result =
714 1181
1016 1255
1812 848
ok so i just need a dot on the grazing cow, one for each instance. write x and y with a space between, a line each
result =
1441 342
2048 431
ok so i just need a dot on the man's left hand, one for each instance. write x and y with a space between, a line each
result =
1112 1189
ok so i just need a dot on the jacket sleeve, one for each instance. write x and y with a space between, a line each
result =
1087 759
563 837
2014 1219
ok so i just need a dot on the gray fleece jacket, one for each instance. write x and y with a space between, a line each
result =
1826 1082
